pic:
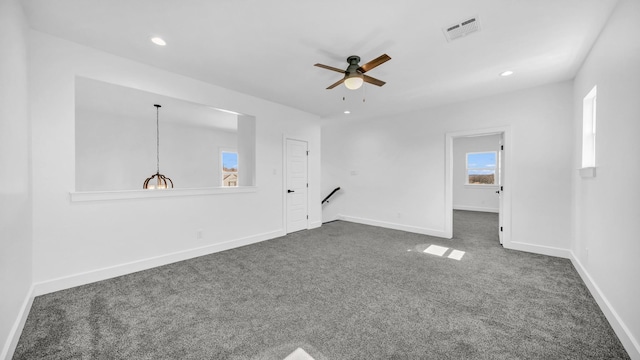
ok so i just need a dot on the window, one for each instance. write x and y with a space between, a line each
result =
481 168
229 168
589 129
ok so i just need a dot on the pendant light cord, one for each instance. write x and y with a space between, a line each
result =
157 137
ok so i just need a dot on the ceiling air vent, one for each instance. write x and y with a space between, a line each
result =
461 29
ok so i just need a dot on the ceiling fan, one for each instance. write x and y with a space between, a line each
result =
354 74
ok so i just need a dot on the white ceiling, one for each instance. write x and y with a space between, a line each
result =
267 48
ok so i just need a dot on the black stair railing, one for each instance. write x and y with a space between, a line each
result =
328 196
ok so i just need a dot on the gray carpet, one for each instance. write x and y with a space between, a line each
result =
344 291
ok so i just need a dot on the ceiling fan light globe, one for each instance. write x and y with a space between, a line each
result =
354 82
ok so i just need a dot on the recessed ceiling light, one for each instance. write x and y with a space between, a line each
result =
347 112
506 73
158 41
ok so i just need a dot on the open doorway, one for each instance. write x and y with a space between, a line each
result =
476 176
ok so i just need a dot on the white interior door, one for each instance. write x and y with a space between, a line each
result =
500 186
297 184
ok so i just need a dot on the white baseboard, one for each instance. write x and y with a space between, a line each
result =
329 219
84 278
395 226
626 338
16 330
475 208
315 224
538 249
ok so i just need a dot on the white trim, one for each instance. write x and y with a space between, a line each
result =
395 226
87 277
284 182
16 330
507 182
333 218
587 172
475 208
481 186
538 249
145 194
626 338
314 224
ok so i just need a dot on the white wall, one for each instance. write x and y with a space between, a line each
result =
246 150
606 213
79 242
119 153
391 170
15 206
473 197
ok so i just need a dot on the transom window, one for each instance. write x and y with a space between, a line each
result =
481 168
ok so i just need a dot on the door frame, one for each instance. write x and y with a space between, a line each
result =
507 182
284 179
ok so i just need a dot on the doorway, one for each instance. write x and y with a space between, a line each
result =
500 188
297 184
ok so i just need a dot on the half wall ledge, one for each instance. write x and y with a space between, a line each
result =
145 194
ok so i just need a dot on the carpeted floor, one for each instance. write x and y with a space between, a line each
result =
343 291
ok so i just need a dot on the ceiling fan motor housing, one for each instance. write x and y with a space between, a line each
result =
353 61
353 77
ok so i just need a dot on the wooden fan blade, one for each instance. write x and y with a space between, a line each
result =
330 68
373 81
336 83
374 63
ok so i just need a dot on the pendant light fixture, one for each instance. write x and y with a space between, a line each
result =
161 181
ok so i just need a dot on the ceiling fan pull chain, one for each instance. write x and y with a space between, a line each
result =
364 93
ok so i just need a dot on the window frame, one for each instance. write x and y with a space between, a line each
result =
494 169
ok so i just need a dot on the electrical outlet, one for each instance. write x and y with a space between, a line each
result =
199 234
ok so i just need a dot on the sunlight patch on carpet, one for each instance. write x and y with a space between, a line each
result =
436 250
456 254
299 354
